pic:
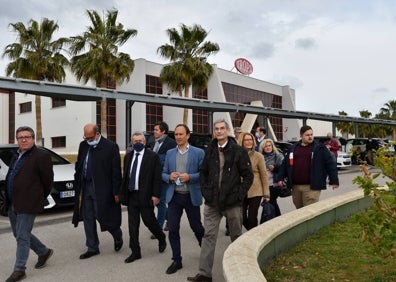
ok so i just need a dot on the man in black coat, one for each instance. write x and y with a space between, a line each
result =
97 181
161 145
141 191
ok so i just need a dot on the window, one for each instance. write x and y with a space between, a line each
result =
58 142
200 117
154 112
58 102
25 107
243 95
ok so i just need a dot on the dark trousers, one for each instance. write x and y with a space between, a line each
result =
274 194
89 209
250 210
135 211
179 203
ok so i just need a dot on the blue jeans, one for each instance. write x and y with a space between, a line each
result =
22 225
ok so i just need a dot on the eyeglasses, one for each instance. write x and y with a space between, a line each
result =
220 128
19 138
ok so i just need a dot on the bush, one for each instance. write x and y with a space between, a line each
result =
379 223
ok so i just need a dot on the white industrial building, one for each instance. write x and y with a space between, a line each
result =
63 121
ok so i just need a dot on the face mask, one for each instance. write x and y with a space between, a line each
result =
93 143
138 147
257 134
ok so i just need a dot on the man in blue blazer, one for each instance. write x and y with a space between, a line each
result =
181 172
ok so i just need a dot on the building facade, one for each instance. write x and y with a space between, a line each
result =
63 120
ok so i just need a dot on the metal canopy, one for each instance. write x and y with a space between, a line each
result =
83 93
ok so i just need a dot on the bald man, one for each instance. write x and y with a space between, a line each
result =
98 182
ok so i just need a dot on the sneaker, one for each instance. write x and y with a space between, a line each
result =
42 260
16 276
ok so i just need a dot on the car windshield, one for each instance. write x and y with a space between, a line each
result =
56 159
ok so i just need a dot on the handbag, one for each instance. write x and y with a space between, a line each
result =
268 212
284 191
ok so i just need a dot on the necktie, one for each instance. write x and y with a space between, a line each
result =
133 173
88 165
220 149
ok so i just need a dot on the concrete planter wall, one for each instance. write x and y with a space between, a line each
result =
245 258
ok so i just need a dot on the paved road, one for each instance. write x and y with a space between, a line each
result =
56 230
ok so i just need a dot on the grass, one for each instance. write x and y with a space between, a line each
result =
335 253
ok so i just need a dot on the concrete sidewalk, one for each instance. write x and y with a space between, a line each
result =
69 242
57 232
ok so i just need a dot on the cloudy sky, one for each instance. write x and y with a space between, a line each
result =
337 55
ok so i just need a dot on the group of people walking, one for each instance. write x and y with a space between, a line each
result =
233 176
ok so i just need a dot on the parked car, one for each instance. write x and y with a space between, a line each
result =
283 147
356 147
343 159
62 191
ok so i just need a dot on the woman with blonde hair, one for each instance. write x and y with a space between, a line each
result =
259 189
273 160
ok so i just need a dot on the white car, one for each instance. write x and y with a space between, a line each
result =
343 159
62 191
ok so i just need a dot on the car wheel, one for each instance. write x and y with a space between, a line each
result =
2 200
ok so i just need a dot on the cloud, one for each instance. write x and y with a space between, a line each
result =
305 43
381 90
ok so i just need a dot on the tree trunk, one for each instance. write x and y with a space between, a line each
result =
103 117
39 129
185 111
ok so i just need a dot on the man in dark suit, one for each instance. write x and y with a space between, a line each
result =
97 181
141 190
181 172
161 145
28 183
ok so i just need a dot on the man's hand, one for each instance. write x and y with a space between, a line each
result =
155 200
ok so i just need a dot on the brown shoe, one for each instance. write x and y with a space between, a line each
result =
16 276
200 278
42 260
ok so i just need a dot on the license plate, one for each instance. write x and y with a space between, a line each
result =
67 194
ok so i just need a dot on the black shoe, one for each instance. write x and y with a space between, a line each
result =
118 244
175 266
132 258
166 228
200 278
16 276
162 246
153 237
89 254
42 260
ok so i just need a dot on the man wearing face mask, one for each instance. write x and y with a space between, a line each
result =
97 183
141 192
260 135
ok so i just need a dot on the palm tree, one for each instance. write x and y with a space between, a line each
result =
36 56
388 111
102 62
188 53
345 128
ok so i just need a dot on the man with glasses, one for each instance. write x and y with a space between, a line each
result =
97 181
28 183
141 192
225 176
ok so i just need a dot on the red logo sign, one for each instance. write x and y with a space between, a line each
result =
243 66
